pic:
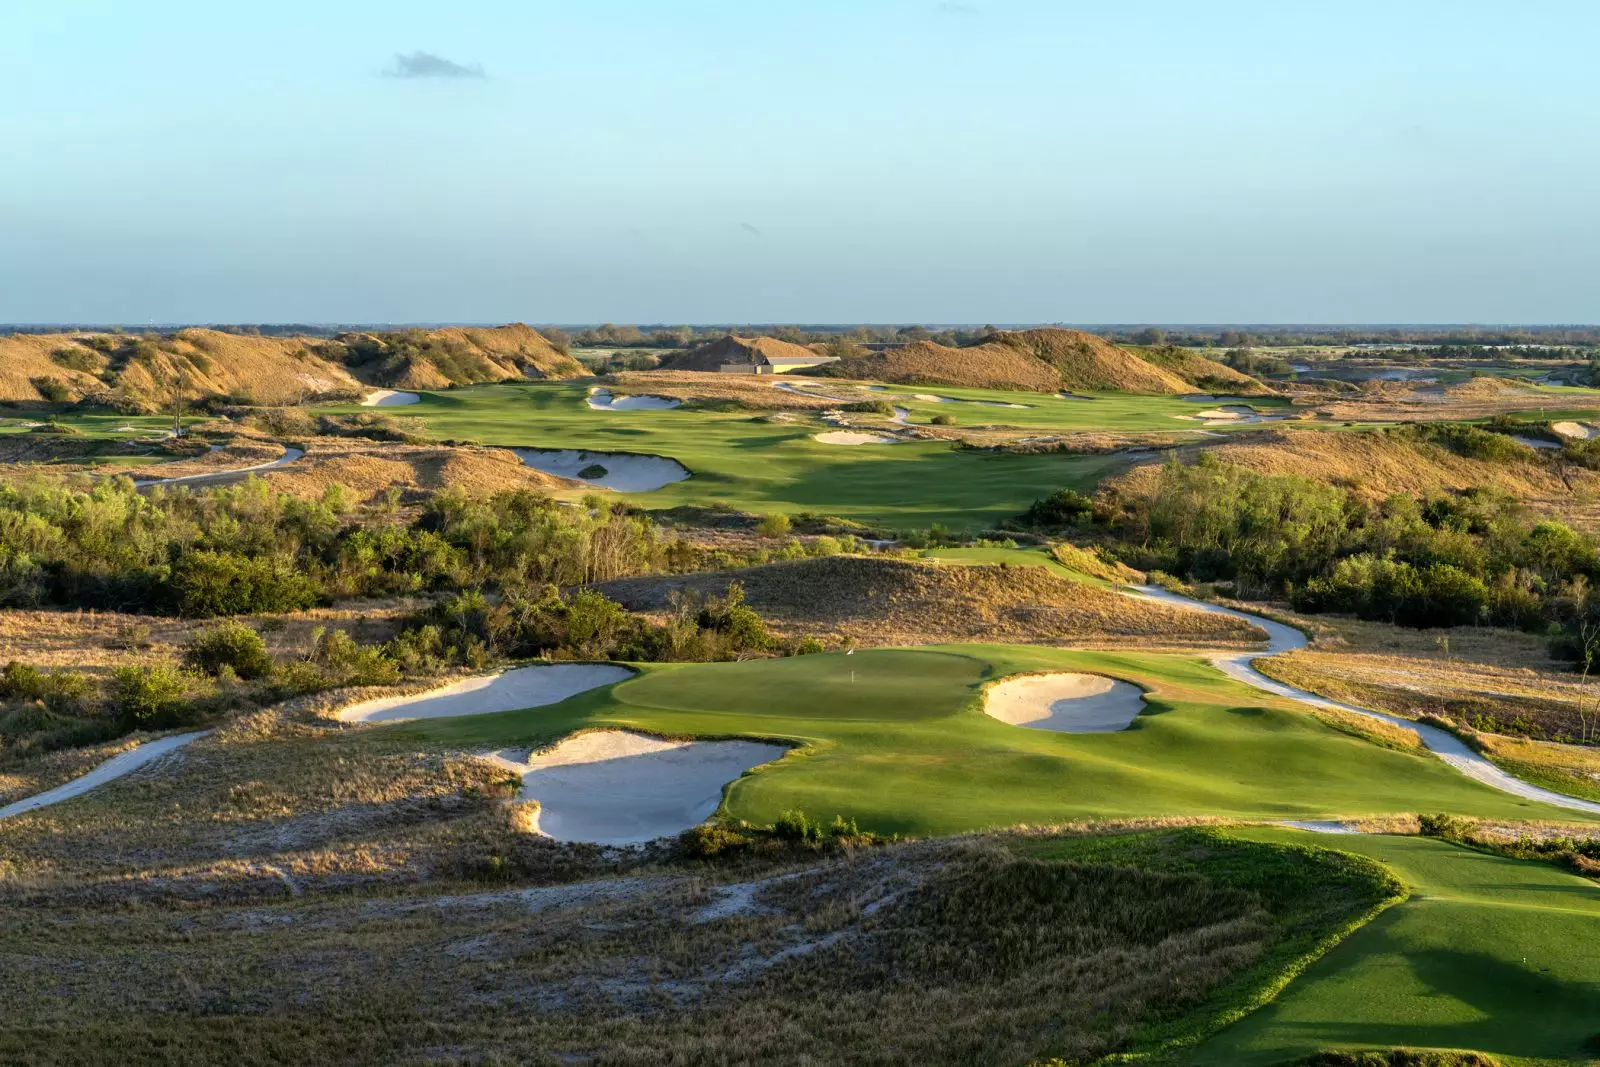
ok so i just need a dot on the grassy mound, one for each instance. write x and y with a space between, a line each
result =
1378 463
369 469
1041 360
887 601
141 373
436 359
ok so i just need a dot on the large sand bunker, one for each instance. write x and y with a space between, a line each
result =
389 398
525 687
615 787
855 437
604 400
1578 431
1067 703
623 471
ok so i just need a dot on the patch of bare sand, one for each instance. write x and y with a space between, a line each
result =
513 690
616 787
1065 703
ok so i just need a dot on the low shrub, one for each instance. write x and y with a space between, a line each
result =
148 697
232 645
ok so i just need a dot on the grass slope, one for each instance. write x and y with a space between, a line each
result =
897 738
1490 954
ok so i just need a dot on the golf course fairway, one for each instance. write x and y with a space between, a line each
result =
1495 955
739 459
897 739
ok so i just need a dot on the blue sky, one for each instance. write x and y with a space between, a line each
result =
768 161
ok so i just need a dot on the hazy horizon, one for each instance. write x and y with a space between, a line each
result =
870 162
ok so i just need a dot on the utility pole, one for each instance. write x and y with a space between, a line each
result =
177 403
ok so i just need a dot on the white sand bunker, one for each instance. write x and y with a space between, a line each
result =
1535 442
615 787
1067 703
603 400
623 471
525 687
855 437
389 398
1580 431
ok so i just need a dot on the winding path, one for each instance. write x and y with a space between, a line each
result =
115 767
1442 743
223 477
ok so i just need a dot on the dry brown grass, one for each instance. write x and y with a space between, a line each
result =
24 357
96 642
1376 464
871 601
1040 360
369 468
1503 681
488 354
934 953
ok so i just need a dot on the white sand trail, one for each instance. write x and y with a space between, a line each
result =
289 456
616 787
1442 743
115 767
513 690
1067 703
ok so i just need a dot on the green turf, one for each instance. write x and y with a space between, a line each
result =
1496 955
90 425
897 739
760 466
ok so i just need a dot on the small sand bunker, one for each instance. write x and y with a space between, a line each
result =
603 400
1073 396
1066 703
855 437
389 398
525 687
929 398
615 787
1535 442
1578 431
623 471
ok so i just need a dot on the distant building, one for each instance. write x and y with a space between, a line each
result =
748 355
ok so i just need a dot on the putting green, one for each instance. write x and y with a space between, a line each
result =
1491 954
740 460
897 739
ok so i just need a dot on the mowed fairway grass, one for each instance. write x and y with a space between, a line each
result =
752 465
898 740
1491 954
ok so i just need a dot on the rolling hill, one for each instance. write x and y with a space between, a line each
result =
142 372
1043 360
